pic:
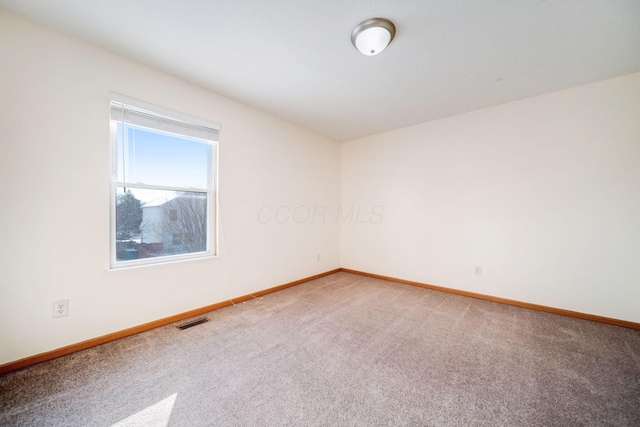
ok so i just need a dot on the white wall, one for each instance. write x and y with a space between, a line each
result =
54 186
543 193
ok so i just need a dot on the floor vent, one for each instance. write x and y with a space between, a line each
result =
194 323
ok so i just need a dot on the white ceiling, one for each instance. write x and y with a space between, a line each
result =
294 58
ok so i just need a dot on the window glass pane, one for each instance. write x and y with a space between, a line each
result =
163 184
156 158
156 223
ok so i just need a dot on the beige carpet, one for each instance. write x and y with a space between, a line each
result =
344 350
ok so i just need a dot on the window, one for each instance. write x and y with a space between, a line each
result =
163 185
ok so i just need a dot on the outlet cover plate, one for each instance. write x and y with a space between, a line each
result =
61 308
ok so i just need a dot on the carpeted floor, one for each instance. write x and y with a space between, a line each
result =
344 350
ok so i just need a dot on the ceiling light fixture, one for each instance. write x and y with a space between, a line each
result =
372 36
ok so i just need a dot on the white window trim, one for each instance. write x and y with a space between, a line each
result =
212 208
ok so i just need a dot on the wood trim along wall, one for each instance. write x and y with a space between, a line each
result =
49 355
43 357
563 312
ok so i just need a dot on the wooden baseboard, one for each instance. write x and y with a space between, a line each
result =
43 357
49 355
563 312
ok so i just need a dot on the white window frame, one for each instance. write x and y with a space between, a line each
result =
211 191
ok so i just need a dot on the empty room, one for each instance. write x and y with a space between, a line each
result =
305 213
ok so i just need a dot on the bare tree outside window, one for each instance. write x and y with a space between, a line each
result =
186 218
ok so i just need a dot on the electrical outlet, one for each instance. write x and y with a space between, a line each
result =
318 258
61 308
477 270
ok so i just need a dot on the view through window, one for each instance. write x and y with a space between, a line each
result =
163 185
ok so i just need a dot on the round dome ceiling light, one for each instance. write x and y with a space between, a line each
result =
372 36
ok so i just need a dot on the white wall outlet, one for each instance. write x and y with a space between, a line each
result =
477 270
61 308
318 258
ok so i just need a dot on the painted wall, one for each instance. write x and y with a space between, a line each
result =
54 189
543 194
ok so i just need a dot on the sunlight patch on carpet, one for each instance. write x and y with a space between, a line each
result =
156 415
